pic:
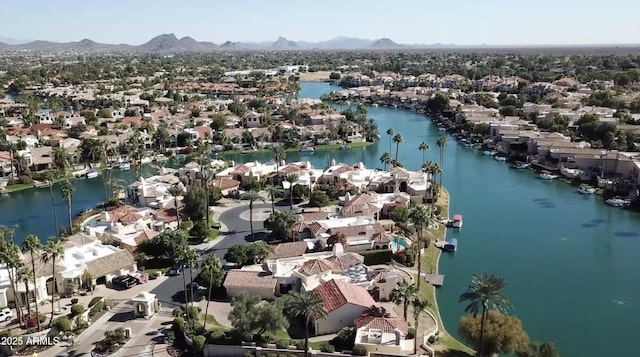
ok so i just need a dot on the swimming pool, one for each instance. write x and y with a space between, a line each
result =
399 244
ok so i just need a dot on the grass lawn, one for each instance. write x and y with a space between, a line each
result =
446 343
162 271
213 234
212 323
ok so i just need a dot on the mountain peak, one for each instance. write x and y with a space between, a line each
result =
385 43
282 42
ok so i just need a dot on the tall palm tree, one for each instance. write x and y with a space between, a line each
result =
404 293
176 191
207 175
291 178
25 275
419 306
423 147
50 178
191 257
252 196
397 139
390 133
182 260
33 245
10 256
53 252
273 191
307 306
279 155
212 264
484 293
441 143
386 159
66 191
419 215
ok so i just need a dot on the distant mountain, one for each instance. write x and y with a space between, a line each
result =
284 44
169 43
12 41
338 43
385 44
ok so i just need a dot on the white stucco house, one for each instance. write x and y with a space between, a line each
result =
382 333
343 302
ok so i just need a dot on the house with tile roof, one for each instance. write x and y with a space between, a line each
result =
343 303
383 333
254 282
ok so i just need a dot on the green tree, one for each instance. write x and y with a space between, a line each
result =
390 133
319 199
280 224
404 293
218 122
211 275
419 216
33 245
537 349
484 293
176 191
386 159
279 155
195 203
50 178
400 214
438 104
308 306
273 191
11 257
66 191
53 252
441 143
397 139
60 159
502 334
104 113
419 306
245 254
252 196
251 317
423 147
291 178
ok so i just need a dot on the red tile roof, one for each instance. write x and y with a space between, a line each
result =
145 235
345 261
316 266
246 278
336 293
225 183
288 250
376 318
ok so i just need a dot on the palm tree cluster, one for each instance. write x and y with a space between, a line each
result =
406 294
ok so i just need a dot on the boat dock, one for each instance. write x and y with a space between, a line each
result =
436 280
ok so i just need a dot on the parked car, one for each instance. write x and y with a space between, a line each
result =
124 281
6 314
176 270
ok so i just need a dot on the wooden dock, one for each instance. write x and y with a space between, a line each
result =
436 280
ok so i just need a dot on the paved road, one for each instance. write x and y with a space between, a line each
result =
238 231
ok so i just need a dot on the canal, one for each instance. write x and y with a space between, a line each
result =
570 261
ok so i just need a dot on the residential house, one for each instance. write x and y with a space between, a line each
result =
382 333
343 303
254 282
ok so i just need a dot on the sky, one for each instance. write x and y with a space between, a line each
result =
462 22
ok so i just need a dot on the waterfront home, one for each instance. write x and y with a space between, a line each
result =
225 184
5 163
381 332
247 172
361 233
343 303
372 204
153 191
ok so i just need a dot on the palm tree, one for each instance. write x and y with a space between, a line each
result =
279 155
66 191
308 306
291 178
53 251
50 178
10 256
212 264
207 175
273 191
390 132
252 196
25 275
397 139
176 191
441 143
485 292
419 215
191 258
33 245
404 293
386 159
182 260
419 306
423 147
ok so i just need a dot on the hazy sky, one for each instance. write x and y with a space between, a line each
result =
405 21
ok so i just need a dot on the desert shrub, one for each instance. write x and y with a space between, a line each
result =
432 339
77 309
217 337
359 350
282 343
411 333
178 331
327 347
62 324
199 342
299 344
74 301
95 309
94 301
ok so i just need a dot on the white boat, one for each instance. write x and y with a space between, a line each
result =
500 158
41 184
125 166
455 222
521 165
570 173
547 175
307 149
92 173
604 182
466 143
442 129
586 190
488 153
617 202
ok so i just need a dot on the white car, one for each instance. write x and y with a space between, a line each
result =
6 314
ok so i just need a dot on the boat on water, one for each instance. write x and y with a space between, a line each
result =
455 221
617 202
602 182
570 173
83 211
307 149
466 143
451 246
547 175
489 153
92 173
521 165
125 166
442 129
586 189
41 184
500 158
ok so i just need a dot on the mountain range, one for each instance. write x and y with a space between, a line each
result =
169 43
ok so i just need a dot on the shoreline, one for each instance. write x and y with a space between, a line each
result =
297 149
